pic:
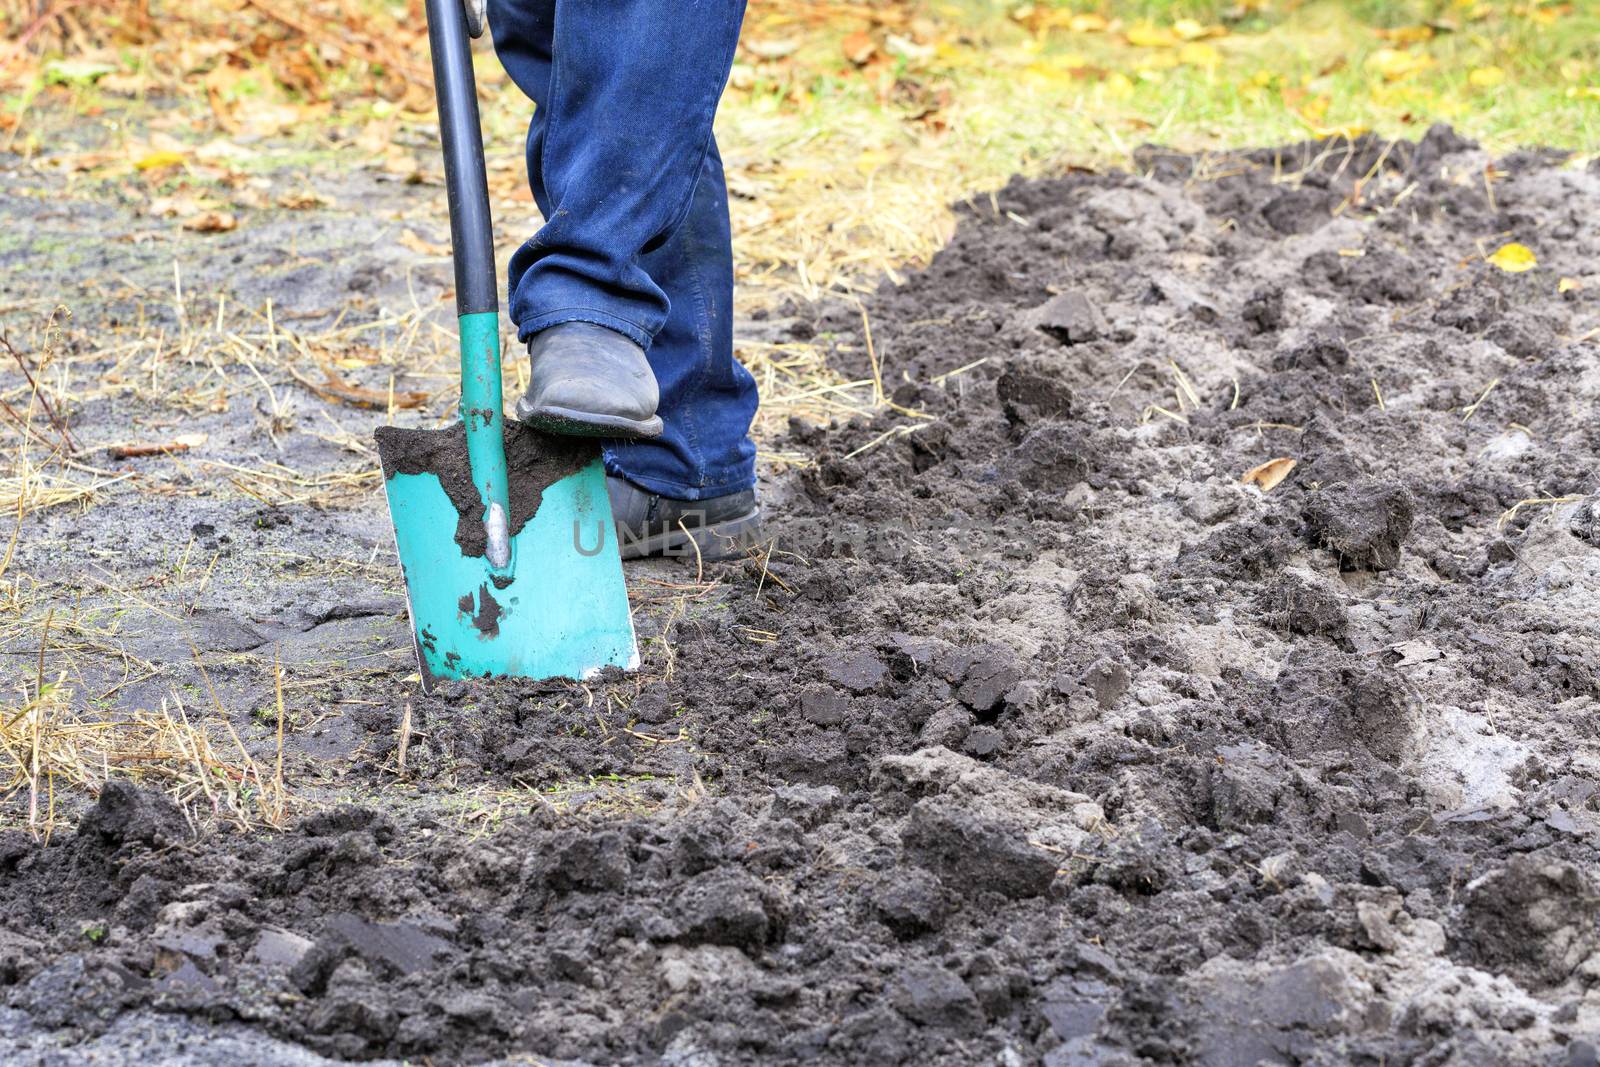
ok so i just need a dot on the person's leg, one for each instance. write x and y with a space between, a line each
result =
626 91
628 97
707 398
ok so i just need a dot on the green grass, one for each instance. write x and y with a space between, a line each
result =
1287 69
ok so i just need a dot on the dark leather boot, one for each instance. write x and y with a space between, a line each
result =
649 524
589 381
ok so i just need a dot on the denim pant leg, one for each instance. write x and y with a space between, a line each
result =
624 168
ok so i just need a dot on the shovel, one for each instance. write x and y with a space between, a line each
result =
504 533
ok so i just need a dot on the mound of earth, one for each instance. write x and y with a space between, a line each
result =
1042 735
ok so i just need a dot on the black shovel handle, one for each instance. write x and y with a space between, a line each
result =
471 233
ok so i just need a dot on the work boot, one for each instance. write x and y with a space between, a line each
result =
589 381
649 524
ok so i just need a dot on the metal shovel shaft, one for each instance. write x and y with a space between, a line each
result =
472 247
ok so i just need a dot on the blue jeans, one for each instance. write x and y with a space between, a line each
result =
626 172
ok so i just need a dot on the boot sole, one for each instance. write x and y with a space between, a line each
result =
571 423
728 539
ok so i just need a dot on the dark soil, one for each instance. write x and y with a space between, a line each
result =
533 462
1069 747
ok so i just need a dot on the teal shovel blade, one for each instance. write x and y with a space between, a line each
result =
559 609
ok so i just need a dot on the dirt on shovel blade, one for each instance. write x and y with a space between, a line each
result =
1042 735
534 461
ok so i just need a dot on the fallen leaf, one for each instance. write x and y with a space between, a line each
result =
1394 64
1189 29
871 159
1486 77
1158 60
1514 258
266 118
906 48
157 160
302 200
211 222
165 207
1407 34
1118 84
1087 23
221 149
859 47
1267 476
409 240
125 84
1200 54
1568 285
1146 35
771 49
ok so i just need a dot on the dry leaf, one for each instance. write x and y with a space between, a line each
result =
1087 23
157 160
906 48
1394 64
303 200
1267 476
416 244
166 207
124 84
211 222
1568 285
1486 77
859 47
1145 35
1514 258
1407 34
771 49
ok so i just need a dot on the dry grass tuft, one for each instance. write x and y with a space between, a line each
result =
47 744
